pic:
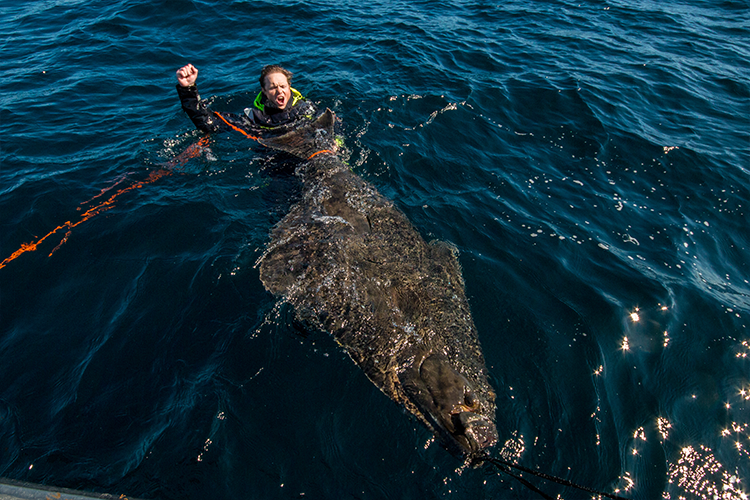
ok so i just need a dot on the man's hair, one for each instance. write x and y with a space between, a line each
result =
273 68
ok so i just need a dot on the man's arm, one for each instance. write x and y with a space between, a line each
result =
196 109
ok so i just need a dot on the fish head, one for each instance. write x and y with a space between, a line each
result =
451 405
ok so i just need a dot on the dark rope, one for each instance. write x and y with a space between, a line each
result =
504 466
522 481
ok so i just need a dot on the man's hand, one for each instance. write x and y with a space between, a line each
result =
187 75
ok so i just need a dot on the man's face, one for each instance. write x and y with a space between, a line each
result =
276 89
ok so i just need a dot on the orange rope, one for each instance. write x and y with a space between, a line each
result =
237 128
318 153
119 179
259 139
192 151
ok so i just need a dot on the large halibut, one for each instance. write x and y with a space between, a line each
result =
352 264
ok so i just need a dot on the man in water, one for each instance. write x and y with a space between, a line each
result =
276 105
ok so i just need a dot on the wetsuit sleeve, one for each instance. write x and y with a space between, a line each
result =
196 109
201 115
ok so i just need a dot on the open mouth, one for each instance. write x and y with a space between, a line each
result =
474 432
449 403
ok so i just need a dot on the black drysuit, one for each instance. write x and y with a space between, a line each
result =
259 117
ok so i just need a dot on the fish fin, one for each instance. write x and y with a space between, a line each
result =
446 254
282 264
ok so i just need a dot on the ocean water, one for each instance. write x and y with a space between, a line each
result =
589 160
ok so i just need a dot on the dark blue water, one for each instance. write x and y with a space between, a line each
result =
589 159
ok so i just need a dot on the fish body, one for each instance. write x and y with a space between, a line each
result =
353 265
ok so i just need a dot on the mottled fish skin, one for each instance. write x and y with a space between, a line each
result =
353 265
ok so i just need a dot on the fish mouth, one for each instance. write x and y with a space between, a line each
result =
450 405
477 432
